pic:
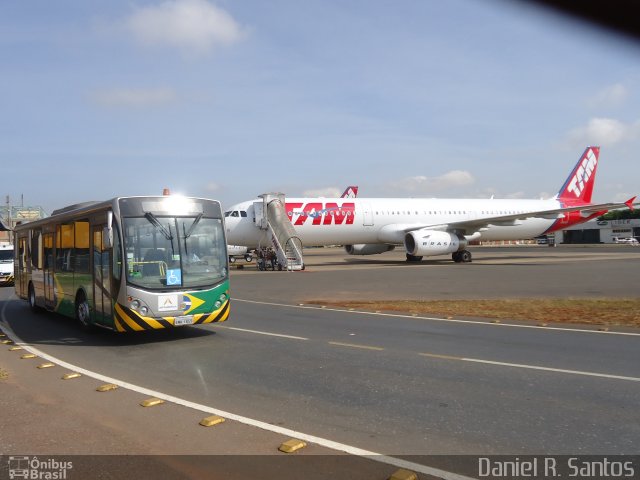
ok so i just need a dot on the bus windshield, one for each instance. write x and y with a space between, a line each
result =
174 252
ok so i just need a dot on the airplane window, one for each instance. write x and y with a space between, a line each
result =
234 214
226 214
243 213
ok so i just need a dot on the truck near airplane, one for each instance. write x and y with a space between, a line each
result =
430 226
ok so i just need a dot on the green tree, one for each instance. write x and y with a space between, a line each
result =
620 214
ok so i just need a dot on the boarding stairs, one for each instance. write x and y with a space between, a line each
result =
271 216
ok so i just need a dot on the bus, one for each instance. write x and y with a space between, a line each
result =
127 264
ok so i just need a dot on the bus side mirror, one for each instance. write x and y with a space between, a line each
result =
107 232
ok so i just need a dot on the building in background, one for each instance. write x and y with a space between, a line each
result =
600 231
10 216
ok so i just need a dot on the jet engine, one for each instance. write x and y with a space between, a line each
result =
368 248
432 242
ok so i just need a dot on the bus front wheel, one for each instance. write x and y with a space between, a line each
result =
82 311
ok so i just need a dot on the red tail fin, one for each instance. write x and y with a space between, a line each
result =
579 186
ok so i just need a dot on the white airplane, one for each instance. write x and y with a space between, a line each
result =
429 227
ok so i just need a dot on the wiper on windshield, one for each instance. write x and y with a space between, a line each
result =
156 223
167 233
188 234
192 227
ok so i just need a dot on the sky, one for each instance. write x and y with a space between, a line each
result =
231 99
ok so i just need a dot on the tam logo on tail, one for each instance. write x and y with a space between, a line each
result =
579 185
350 192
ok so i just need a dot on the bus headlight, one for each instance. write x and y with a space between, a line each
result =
217 304
135 304
144 311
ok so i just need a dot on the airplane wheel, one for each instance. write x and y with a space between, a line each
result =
456 257
232 259
465 256
248 257
414 258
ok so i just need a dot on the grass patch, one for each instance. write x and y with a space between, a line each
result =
603 311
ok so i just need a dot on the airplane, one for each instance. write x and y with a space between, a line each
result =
431 226
242 251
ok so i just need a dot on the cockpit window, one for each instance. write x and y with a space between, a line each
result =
226 214
243 213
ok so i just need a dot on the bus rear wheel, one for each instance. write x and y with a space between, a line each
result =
82 311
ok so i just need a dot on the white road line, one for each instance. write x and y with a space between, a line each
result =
558 370
436 319
530 367
354 345
341 447
259 332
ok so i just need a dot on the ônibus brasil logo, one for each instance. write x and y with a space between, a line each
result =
583 173
31 468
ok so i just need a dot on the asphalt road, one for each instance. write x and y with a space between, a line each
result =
392 384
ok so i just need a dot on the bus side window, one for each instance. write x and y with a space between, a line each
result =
81 247
64 247
34 247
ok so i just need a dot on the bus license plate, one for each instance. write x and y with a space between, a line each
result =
183 320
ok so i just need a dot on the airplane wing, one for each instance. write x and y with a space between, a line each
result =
511 220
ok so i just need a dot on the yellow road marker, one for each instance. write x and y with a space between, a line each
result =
211 421
13 349
28 355
292 445
107 387
6 342
151 402
69 376
46 365
403 474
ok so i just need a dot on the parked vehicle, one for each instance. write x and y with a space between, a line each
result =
628 240
6 264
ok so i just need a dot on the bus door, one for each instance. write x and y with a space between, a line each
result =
48 271
102 307
22 271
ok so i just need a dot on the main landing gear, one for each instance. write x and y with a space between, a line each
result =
463 256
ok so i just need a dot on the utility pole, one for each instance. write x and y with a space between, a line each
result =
9 223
